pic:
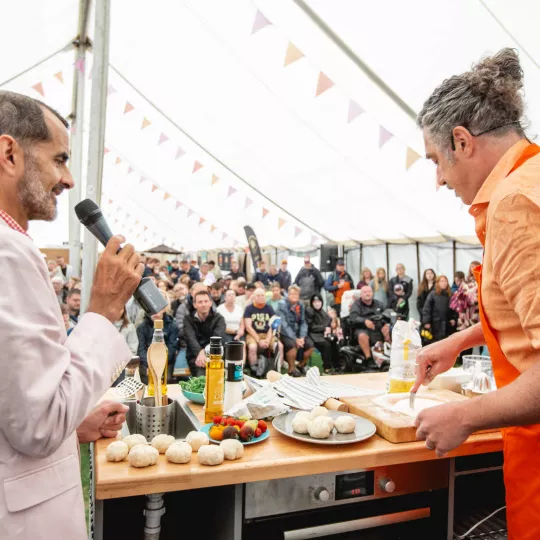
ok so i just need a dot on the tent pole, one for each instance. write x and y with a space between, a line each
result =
77 137
418 262
98 116
454 257
361 260
387 261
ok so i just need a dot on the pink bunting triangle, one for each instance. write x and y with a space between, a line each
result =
314 240
110 201
178 204
111 90
60 76
215 179
38 87
323 84
354 111
249 202
142 179
259 23
154 188
384 136
201 221
265 212
281 222
79 65
190 212
163 138
223 236
130 169
128 107
297 231
105 151
179 153
231 191
197 167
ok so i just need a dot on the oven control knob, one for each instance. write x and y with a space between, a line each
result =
322 495
387 485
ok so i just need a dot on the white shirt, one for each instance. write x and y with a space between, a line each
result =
209 279
232 320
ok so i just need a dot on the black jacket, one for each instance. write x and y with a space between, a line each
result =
318 321
407 283
263 277
401 306
421 302
285 279
438 314
310 281
236 275
197 333
193 274
360 313
145 333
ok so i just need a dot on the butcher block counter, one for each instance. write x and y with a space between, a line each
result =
277 457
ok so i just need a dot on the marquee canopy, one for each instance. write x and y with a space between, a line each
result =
294 117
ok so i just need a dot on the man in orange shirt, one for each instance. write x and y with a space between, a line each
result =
472 132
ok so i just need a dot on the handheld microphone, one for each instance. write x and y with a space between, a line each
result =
147 295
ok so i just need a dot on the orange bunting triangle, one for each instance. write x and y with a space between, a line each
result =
293 54
197 166
265 212
118 161
201 221
145 123
323 84
212 228
110 201
215 179
412 158
166 196
281 222
145 228
154 187
128 108
38 87
60 76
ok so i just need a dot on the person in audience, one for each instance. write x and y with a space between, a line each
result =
335 337
185 279
74 283
216 292
214 269
149 267
426 286
59 289
438 316
403 279
174 272
261 274
54 269
318 322
163 285
309 279
241 294
66 269
187 307
379 286
259 285
243 300
369 329
73 301
227 283
164 274
234 317
275 297
366 278
294 331
233 286
459 278
145 334
337 283
190 271
284 276
399 303
142 258
180 292
129 333
259 337
235 272
273 274
199 328
205 276
65 316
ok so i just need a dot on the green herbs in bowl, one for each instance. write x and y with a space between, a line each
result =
193 389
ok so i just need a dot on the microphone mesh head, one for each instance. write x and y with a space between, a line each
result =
86 208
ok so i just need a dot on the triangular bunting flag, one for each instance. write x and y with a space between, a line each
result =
212 228
231 191
137 222
259 23
117 161
292 55
60 76
128 107
111 90
166 196
215 179
178 204
110 201
105 151
154 187
354 111
223 236
138 235
143 179
201 221
323 84
314 240
197 166
265 212
145 123
38 87
115 221
163 138
249 202
384 136
130 169
281 222
179 153
190 212
145 228
297 231
79 65
412 158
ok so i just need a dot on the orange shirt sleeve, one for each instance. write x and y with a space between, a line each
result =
515 230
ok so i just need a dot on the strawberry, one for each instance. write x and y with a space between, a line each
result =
258 432
262 426
217 420
229 421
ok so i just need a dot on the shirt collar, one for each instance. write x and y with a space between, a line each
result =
12 224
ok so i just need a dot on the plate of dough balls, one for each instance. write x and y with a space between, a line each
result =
141 453
321 426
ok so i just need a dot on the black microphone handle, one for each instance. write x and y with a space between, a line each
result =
100 229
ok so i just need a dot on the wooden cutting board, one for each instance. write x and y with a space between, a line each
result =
393 426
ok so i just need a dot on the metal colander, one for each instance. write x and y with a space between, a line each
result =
152 421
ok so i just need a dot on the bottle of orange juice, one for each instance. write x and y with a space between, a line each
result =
157 347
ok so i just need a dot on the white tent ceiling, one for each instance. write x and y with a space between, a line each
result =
214 121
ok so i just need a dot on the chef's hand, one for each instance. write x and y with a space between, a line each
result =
443 427
370 325
104 421
433 360
201 359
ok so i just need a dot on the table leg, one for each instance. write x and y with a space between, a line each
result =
451 494
155 508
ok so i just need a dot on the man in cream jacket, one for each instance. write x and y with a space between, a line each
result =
49 383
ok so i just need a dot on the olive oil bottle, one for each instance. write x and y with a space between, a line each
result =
157 347
215 381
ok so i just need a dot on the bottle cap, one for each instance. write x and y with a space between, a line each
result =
234 351
158 324
215 345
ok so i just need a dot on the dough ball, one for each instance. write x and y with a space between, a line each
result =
319 428
210 455
117 451
162 442
329 420
300 423
179 452
345 424
319 411
303 414
196 439
143 455
232 449
132 440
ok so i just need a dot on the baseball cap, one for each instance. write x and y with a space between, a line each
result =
284 261
340 262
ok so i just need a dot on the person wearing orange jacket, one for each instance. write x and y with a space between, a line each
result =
472 132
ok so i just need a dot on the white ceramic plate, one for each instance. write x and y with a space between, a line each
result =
364 429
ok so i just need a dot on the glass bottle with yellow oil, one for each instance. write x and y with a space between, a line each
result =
157 347
215 381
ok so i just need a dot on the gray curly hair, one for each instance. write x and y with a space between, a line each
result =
488 98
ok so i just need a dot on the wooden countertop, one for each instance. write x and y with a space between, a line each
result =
277 457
